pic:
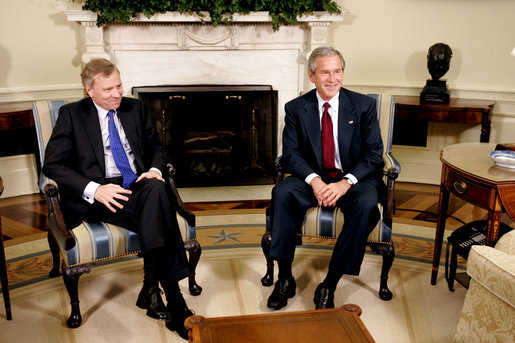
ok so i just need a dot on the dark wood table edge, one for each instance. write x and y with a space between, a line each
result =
455 105
194 322
3 268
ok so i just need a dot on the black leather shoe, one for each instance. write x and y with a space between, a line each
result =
150 300
176 322
324 298
283 290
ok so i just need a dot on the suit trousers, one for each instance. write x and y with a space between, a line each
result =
150 212
292 197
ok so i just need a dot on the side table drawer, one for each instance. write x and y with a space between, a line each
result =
467 190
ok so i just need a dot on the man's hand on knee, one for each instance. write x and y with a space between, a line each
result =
109 194
317 184
152 174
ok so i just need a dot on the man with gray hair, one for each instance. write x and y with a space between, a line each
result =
106 157
333 150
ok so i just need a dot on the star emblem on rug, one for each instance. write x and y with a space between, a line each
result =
225 236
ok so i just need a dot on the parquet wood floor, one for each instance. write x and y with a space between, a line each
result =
24 218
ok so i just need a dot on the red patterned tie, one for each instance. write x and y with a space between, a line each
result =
328 143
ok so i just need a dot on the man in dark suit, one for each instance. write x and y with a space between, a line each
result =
333 150
106 157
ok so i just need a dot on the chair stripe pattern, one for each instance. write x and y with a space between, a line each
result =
101 241
328 222
45 116
94 242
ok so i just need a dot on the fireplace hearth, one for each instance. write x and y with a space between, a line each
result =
216 135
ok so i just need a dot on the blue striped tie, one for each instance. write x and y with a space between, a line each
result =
119 155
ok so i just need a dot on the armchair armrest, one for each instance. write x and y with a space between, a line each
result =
181 208
52 194
43 181
391 171
278 169
392 167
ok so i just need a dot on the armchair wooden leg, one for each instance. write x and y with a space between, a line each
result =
194 251
388 253
56 256
71 280
266 241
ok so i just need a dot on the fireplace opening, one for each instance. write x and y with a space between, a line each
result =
216 135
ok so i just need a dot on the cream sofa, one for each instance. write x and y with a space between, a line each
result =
488 313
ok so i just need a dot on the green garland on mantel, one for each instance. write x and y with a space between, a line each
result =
282 12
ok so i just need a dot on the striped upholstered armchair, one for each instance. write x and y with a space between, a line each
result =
322 222
90 243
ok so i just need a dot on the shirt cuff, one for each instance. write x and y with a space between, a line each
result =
310 178
89 192
157 170
352 179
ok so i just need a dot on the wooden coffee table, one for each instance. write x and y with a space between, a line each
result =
341 325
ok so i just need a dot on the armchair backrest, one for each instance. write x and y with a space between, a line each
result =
385 114
45 116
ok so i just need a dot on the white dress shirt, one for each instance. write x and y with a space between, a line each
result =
110 166
333 113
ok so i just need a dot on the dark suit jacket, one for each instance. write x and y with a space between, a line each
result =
75 154
359 136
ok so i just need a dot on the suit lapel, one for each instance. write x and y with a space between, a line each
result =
311 119
92 125
347 121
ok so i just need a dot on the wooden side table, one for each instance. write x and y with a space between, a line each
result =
341 325
3 267
469 173
466 111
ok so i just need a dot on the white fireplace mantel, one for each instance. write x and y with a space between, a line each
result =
177 49
175 31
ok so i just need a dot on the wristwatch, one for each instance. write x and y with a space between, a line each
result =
349 181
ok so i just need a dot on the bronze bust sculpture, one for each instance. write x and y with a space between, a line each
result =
438 61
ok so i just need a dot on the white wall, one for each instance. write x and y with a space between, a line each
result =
38 46
384 43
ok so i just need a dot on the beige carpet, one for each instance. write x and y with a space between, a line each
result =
230 277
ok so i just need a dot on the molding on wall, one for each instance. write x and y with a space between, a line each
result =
34 93
19 175
505 99
414 169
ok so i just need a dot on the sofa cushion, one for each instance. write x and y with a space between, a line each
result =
494 270
507 243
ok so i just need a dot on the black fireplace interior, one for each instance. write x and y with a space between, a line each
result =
216 135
